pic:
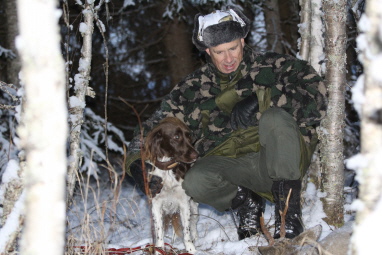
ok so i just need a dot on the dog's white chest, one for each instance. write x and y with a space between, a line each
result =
172 194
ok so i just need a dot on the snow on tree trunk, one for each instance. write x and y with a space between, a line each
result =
43 129
77 102
369 95
316 42
332 148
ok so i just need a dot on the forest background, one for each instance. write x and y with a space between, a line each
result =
139 50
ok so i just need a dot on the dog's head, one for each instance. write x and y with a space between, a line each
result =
169 143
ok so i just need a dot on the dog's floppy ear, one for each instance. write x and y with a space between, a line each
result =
152 144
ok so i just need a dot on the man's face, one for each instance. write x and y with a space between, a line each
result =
227 56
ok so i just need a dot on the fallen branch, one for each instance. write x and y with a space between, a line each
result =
268 236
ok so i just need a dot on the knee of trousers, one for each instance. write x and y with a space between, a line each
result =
198 181
275 118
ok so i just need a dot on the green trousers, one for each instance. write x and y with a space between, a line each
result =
213 180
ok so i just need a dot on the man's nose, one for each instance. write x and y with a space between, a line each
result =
228 57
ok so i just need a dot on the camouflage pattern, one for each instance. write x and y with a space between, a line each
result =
204 99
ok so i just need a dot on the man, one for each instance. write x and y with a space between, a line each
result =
253 118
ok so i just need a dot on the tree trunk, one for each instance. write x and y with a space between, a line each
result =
43 129
332 138
289 16
178 45
13 64
273 27
304 29
308 51
77 102
311 30
316 55
368 219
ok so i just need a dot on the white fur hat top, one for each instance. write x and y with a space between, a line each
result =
219 27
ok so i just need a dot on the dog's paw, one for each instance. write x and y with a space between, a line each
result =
190 248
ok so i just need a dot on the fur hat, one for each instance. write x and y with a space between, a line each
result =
219 27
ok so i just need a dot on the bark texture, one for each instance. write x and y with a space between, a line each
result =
82 89
178 44
43 129
333 125
179 47
311 31
13 64
273 27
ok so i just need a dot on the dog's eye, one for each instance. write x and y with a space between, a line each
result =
176 137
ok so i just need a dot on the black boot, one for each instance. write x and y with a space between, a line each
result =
250 208
293 220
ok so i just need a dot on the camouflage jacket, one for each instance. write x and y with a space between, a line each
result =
205 98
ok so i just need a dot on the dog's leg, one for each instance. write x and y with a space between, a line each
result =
158 223
194 219
185 215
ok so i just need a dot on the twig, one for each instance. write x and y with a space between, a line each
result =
283 215
268 236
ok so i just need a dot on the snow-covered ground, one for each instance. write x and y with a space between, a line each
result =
123 221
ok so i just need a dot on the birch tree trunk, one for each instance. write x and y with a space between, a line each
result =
43 131
316 41
368 219
77 102
332 138
311 30
312 50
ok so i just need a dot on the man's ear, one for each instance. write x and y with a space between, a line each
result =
208 51
242 42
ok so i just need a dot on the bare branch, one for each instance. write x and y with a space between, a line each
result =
268 236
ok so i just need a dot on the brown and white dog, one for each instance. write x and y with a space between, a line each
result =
168 148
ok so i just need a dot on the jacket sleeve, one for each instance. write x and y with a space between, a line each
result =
300 91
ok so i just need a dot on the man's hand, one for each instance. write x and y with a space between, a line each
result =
244 113
155 183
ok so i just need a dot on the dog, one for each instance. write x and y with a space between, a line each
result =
169 150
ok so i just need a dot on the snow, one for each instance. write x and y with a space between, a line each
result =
76 102
84 64
368 244
128 3
78 80
12 223
9 174
11 171
375 68
124 220
7 53
83 27
358 97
